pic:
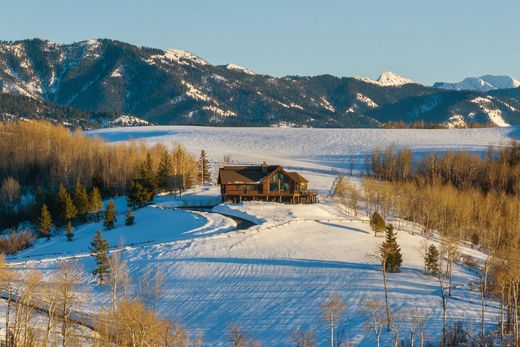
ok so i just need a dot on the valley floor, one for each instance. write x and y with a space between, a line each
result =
271 278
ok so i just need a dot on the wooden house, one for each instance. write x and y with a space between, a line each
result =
263 183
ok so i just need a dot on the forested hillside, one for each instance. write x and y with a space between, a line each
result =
177 87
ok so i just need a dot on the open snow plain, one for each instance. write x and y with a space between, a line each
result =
314 152
271 279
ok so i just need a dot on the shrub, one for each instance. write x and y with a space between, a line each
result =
16 241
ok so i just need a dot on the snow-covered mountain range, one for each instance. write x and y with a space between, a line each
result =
482 84
177 87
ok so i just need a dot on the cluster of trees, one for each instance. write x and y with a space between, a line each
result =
43 311
463 199
69 172
498 171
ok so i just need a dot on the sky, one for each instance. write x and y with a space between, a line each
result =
428 41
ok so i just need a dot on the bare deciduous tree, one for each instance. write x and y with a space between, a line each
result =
332 309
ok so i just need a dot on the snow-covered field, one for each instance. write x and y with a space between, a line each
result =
317 153
271 278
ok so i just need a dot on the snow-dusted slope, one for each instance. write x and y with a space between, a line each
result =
482 84
239 68
271 279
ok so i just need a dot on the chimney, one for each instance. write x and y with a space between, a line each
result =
264 167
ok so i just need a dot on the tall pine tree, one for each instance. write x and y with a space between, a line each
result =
147 175
432 260
95 203
80 198
69 231
203 167
110 216
99 250
390 251
66 208
44 228
137 195
164 176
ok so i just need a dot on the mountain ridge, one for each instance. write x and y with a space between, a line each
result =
178 87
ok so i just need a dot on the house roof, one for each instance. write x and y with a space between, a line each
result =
245 174
296 177
252 174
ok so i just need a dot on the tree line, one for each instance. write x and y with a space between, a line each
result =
463 200
40 163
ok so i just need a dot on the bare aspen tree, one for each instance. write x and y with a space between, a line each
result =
303 338
423 250
68 278
444 284
332 309
397 321
450 248
159 281
238 338
7 279
117 278
375 310
49 297
419 324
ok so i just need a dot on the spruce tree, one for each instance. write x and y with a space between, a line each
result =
80 197
69 231
45 225
99 250
110 216
432 260
377 223
390 251
66 208
165 173
203 168
137 195
147 176
130 218
95 203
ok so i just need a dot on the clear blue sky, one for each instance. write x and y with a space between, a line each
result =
421 39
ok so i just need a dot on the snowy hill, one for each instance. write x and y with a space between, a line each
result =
482 84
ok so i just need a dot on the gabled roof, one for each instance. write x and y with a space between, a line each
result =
245 174
296 177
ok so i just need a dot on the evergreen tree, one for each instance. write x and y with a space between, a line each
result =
110 216
203 168
377 223
66 208
80 197
99 250
69 231
95 203
432 260
390 251
45 223
147 176
137 195
165 173
130 218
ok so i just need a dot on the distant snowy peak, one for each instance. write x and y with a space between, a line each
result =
239 68
388 79
481 84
